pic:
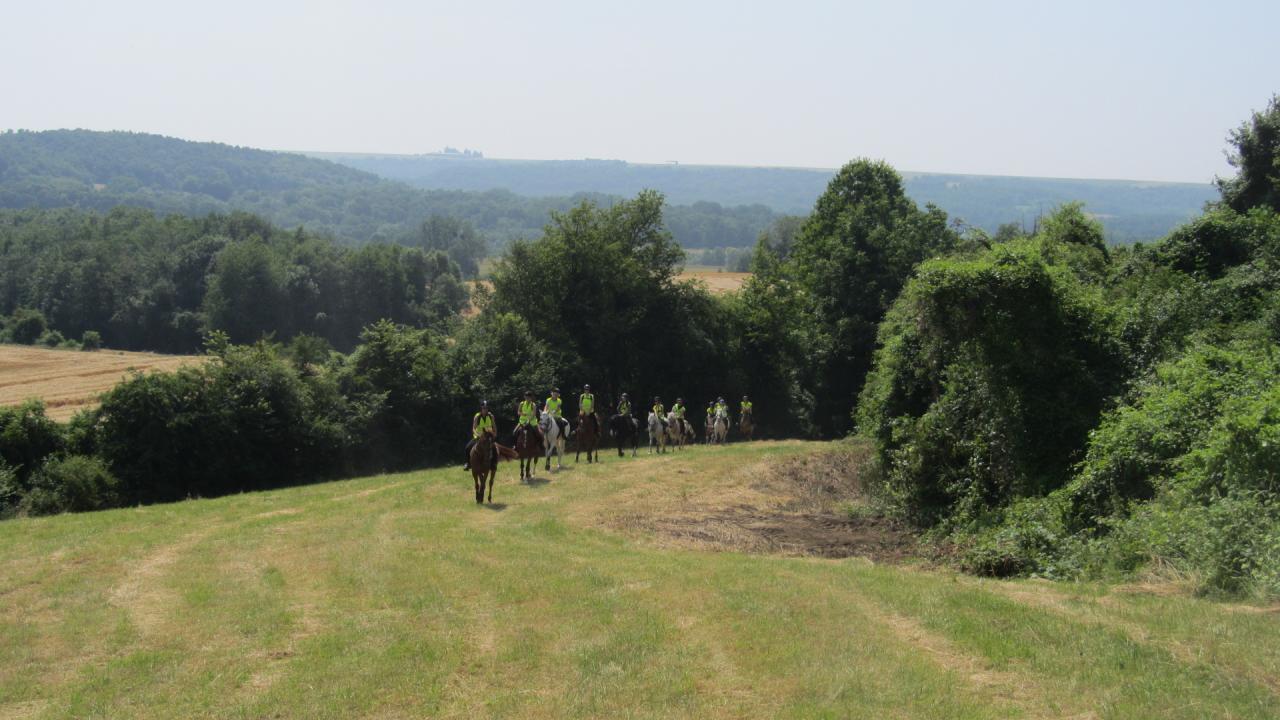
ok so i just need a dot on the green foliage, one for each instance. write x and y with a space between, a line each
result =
27 437
91 340
26 326
161 283
74 483
497 358
850 259
1256 158
244 420
992 371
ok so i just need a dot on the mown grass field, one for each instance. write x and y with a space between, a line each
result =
69 380
396 596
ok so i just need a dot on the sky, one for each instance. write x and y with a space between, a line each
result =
1127 90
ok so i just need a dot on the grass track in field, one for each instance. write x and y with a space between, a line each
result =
396 596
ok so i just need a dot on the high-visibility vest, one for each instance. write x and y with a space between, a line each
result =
586 402
481 423
624 408
746 407
678 409
658 409
553 406
528 412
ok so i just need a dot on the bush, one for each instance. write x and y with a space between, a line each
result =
52 338
992 371
91 340
71 484
26 326
11 490
27 437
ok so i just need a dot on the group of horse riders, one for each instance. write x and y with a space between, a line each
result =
527 414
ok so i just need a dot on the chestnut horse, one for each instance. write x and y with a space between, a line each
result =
746 426
587 437
484 465
529 447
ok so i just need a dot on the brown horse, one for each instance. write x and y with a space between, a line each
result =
587 437
746 426
529 448
484 465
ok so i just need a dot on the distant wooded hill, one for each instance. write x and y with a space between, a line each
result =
1129 210
101 170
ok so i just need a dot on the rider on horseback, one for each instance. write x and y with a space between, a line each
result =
678 409
482 423
722 407
660 411
587 407
745 407
527 415
553 406
624 406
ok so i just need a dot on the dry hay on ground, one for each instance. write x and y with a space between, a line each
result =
718 282
798 506
68 380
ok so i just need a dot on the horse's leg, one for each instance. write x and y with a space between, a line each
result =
493 472
475 479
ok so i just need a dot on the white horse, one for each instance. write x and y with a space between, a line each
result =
657 435
720 428
554 440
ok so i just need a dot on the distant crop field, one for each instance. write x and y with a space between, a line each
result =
68 380
718 281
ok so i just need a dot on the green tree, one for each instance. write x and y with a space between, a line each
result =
247 296
850 259
1256 157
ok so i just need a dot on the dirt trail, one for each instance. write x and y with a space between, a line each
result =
811 505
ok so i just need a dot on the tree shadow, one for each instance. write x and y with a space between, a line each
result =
496 507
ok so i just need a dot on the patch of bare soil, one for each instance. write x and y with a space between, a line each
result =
797 507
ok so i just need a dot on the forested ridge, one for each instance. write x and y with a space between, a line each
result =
1129 210
102 170
1039 401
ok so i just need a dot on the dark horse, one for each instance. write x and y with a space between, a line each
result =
746 426
529 447
624 428
484 465
587 437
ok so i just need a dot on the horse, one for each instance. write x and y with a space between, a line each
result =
721 425
746 426
587 437
710 431
678 430
553 440
484 465
657 434
529 448
624 428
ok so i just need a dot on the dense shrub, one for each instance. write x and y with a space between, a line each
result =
27 437
91 340
26 326
244 420
992 371
74 483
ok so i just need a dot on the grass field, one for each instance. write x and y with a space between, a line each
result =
396 596
718 281
69 380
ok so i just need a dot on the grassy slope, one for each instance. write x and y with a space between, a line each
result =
396 596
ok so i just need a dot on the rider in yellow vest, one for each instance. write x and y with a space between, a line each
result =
483 422
678 409
722 406
527 415
624 405
554 407
745 407
660 411
587 407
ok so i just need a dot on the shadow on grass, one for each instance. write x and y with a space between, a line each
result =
495 507
537 481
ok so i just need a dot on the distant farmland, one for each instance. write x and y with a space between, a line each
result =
69 381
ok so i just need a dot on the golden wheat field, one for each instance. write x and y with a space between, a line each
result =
718 281
68 380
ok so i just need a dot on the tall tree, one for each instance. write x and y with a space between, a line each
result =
851 258
1257 160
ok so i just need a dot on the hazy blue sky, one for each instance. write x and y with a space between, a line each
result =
1079 89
